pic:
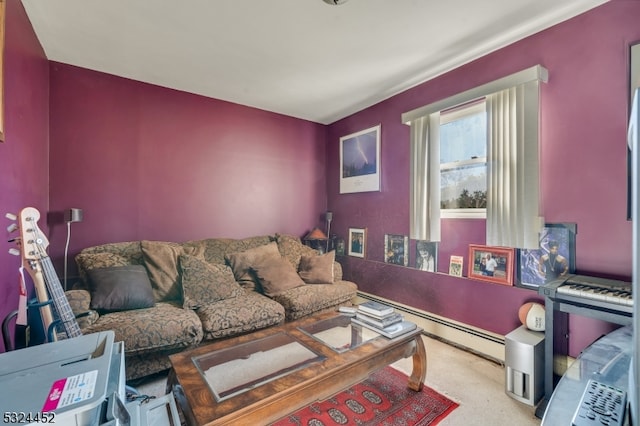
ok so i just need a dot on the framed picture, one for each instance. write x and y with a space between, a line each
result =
455 266
357 242
555 257
426 255
494 264
396 249
360 161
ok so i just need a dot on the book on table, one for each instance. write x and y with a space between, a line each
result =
394 330
380 322
376 308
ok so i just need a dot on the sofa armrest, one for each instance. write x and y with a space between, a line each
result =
80 304
337 272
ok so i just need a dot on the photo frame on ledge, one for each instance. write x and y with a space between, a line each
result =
493 264
427 255
455 265
396 249
555 256
357 242
360 161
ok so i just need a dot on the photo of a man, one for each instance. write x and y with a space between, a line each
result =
552 260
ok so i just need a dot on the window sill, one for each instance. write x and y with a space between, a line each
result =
463 213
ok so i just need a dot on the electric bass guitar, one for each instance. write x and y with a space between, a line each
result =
33 245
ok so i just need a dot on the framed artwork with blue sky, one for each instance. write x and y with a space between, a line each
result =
360 161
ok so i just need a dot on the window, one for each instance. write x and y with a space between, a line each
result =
463 161
510 159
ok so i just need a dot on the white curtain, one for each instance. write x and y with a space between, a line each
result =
512 167
425 178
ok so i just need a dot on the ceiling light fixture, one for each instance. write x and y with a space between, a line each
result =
335 2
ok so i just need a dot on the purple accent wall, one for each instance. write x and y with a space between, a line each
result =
146 162
24 154
583 176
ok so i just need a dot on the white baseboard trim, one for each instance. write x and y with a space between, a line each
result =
481 342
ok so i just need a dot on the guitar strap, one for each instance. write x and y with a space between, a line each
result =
21 319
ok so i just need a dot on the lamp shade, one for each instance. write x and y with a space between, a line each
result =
316 234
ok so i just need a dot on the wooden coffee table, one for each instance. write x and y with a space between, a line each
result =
261 377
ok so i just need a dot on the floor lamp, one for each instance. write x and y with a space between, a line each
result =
70 216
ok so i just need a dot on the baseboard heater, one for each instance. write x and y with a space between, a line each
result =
480 342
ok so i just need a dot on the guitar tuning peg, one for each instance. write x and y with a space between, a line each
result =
14 252
11 216
11 228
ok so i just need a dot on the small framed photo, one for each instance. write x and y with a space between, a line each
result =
426 255
493 264
360 161
357 242
555 257
455 265
396 249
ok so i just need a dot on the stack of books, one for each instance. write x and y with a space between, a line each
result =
382 319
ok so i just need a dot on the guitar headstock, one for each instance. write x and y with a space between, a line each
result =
33 242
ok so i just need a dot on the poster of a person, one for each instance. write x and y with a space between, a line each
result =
426 255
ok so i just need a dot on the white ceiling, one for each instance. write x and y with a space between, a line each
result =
302 58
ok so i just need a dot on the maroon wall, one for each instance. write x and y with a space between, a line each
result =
145 162
583 165
24 154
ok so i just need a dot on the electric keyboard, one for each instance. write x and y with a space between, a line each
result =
599 292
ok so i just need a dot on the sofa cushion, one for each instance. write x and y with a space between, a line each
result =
214 250
241 262
165 327
317 269
104 256
276 276
238 315
292 249
203 282
306 300
120 288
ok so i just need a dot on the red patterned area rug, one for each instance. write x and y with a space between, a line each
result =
382 399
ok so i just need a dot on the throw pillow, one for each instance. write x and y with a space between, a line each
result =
276 276
242 262
161 260
120 288
204 282
317 269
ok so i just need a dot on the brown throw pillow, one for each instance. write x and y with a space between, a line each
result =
120 288
317 269
161 260
276 276
242 262
204 282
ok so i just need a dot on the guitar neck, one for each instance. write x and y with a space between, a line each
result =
60 302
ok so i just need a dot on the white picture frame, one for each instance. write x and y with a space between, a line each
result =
360 161
357 242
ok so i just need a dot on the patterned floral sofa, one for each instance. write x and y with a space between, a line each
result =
163 297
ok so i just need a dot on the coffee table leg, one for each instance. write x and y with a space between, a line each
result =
419 373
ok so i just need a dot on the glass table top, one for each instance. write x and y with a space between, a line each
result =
339 333
237 369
